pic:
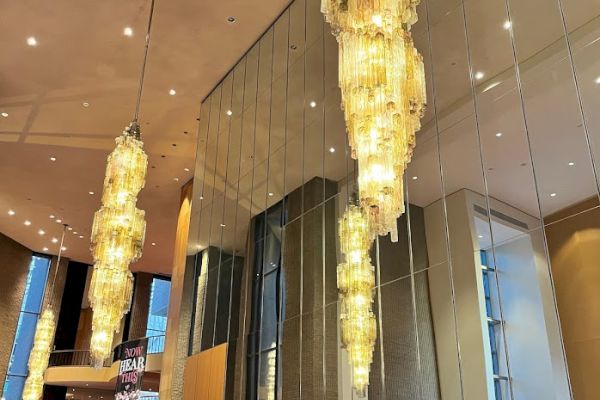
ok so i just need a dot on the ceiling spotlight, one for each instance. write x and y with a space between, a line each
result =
597 80
4 114
80 236
54 240
172 92
415 178
45 249
153 244
313 104
222 225
85 104
27 222
332 149
31 41
128 31
91 193
499 134
479 75
571 164
69 228
176 179
201 197
51 216
552 194
74 233
11 212
231 20
186 169
229 112
507 24
63 248
270 194
59 220
41 232
52 158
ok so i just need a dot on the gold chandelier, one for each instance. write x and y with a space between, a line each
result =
356 282
118 232
382 80
117 240
43 341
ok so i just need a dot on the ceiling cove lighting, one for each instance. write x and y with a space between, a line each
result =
42 342
118 230
382 80
356 281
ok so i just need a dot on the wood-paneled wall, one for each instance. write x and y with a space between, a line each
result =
204 377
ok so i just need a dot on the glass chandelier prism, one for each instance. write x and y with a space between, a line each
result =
356 283
40 354
382 81
117 239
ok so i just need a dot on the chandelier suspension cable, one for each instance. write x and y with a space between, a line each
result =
136 114
51 288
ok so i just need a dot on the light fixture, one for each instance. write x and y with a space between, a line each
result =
332 149
480 236
313 104
54 240
74 233
118 230
52 158
85 104
27 222
552 194
499 134
571 164
153 244
186 169
59 221
222 225
507 24
231 20
51 216
63 248
356 281
176 179
32 41
80 236
597 80
414 178
41 232
479 75
127 31
229 112
69 228
42 343
4 114
91 193
172 92
382 81
11 212
270 194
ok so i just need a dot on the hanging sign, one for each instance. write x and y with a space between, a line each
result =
132 365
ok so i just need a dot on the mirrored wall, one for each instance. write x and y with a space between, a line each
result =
491 290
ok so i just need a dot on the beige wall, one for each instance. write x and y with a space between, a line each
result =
574 247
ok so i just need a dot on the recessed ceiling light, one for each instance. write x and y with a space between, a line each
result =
31 41
571 164
507 24
63 248
176 179
313 104
41 232
222 225
201 197
11 212
45 249
415 178
172 92
229 112
85 104
186 169
128 31
91 193
270 194
597 80
479 75
80 236
54 240
552 194
69 228
332 149
74 233
52 158
153 244
4 114
499 134
59 220
231 20
27 222
51 216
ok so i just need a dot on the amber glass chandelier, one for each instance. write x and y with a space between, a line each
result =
42 342
356 282
382 80
118 232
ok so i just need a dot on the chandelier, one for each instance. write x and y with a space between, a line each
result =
356 282
43 342
382 81
118 231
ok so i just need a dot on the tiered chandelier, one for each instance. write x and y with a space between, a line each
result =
382 79
42 342
118 231
356 282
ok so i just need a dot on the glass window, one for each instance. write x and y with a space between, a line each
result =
157 314
31 307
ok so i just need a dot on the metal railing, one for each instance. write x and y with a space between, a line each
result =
63 358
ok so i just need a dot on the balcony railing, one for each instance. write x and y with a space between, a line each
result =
63 358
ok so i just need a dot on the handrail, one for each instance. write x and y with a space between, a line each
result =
63 358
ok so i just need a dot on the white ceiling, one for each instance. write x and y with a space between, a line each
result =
83 56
